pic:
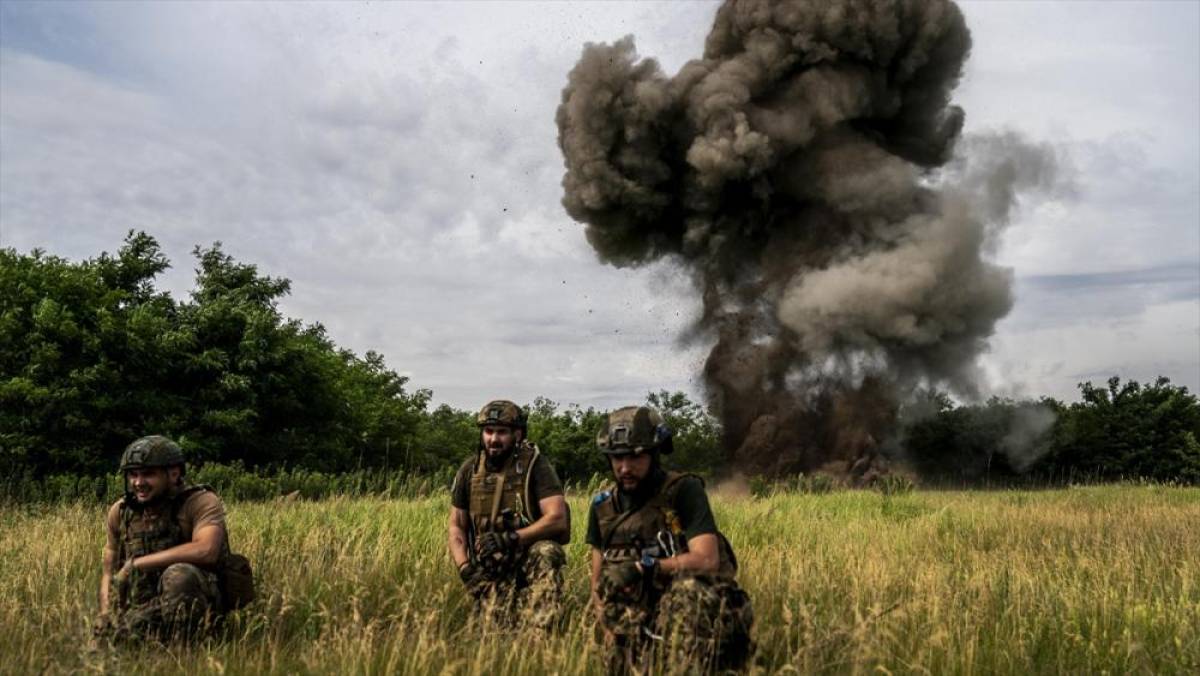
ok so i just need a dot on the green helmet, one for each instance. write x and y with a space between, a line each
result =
634 429
151 451
501 412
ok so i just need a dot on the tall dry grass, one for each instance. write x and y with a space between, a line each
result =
1089 580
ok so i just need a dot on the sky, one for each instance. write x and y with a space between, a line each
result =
398 163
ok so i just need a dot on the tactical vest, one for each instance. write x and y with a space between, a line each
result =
655 526
148 531
493 492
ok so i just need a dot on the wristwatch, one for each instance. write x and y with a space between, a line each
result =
648 564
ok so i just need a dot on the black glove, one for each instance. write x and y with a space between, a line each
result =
472 576
497 546
621 576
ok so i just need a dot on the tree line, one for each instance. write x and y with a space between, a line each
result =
93 355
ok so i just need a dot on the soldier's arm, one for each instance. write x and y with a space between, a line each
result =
551 526
597 560
204 550
699 527
110 559
457 540
702 557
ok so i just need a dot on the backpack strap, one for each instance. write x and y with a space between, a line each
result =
126 518
499 492
611 503
528 480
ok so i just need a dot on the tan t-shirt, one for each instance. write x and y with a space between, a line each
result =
202 508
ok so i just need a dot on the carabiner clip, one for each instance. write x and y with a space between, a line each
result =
666 541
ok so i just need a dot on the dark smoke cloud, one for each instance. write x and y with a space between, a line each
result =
801 170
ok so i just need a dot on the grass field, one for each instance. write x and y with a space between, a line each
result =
1086 580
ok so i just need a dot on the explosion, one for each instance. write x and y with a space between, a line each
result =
803 171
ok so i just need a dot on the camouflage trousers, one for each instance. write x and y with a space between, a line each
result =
185 605
696 625
531 595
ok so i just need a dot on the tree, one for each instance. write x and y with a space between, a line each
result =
1130 430
92 356
696 433
81 355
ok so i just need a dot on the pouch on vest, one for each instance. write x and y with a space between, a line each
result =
237 581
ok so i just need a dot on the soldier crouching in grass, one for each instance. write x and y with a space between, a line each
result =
508 523
168 572
662 574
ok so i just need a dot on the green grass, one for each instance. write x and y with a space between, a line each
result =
1086 580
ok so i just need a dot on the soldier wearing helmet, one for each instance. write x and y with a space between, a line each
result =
661 572
166 542
508 523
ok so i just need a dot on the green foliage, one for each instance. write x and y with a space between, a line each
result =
995 440
567 437
894 484
697 433
811 484
1130 430
84 349
93 355
1122 431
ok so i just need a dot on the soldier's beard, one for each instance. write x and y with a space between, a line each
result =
497 456
646 486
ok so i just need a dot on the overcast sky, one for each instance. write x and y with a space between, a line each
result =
398 162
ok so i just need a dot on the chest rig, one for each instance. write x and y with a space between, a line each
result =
653 528
145 531
492 493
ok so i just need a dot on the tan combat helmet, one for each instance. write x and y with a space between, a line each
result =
152 451
501 412
633 430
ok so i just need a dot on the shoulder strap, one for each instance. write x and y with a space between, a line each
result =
528 479
666 496
126 518
499 492
606 538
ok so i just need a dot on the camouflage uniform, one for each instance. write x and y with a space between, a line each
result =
530 594
185 602
525 587
179 601
699 619
171 603
696 621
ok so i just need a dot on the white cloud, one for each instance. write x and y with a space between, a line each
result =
398 162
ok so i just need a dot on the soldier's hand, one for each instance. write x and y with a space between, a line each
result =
101 625
468 572
622 577
473 576
496 545
122 577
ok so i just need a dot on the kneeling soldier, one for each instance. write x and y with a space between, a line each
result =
167 556
662 574
508 523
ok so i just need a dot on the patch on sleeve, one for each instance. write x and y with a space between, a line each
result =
601 497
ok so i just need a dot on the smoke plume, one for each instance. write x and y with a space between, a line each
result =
804 171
